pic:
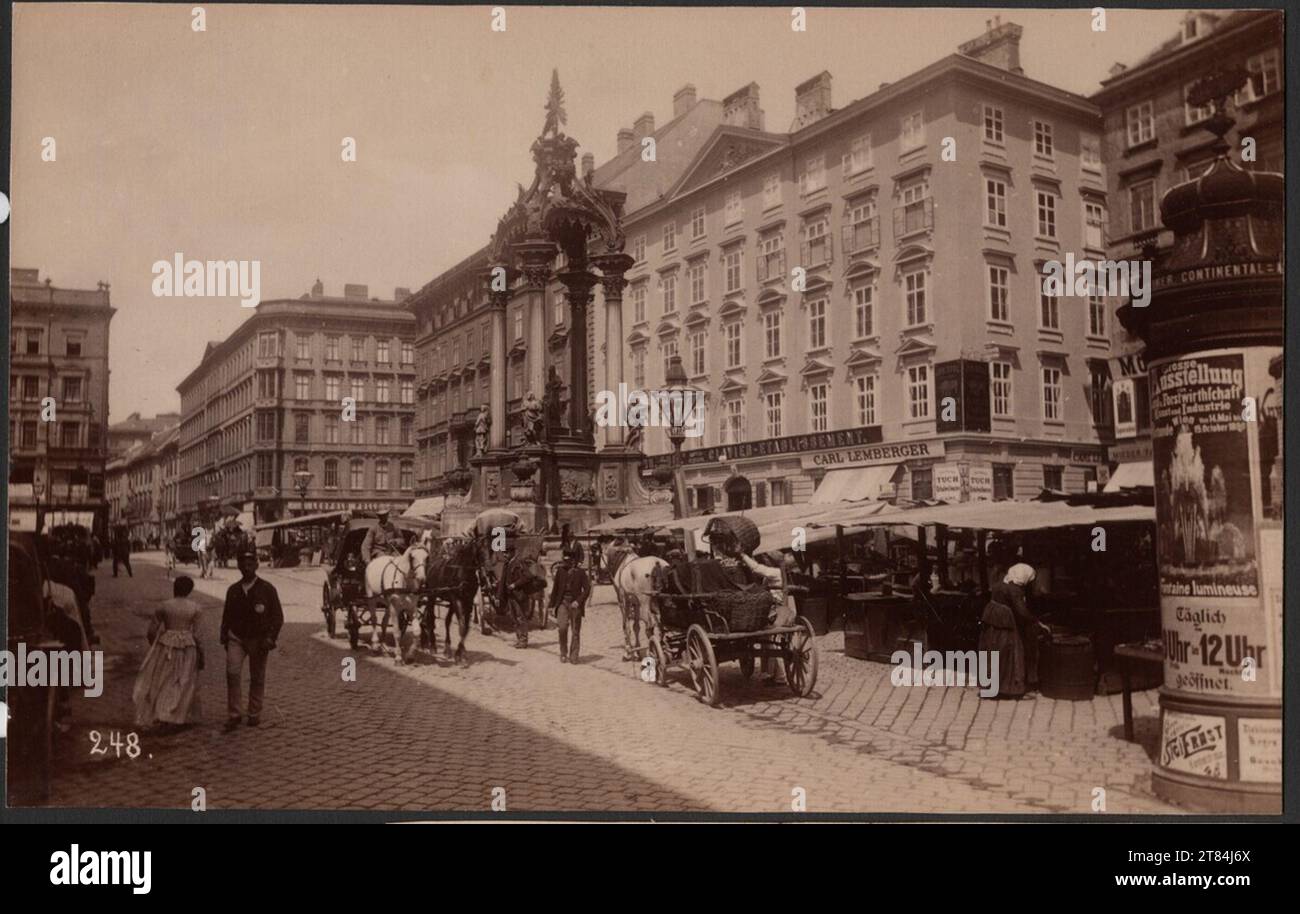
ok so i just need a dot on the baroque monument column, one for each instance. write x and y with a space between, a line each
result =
536 256
578 283
612 266
498 279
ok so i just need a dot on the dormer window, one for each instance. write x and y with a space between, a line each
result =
1190 29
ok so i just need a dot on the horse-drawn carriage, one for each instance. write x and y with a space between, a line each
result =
345 590
508 566
710 611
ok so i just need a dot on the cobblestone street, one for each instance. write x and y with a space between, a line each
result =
587 738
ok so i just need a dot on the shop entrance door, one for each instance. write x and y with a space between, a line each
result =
740 494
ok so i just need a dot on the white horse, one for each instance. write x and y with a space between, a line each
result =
633 586
403 572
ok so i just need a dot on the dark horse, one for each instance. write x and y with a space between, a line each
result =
452 578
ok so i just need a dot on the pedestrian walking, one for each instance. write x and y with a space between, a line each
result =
1010 629
166 689
250 626
569 596
122 554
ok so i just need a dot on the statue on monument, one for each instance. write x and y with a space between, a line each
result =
534 427
552 404
482 424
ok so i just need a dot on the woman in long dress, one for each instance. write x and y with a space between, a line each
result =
1007 622
166 689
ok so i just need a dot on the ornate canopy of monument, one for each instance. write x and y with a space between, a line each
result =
558 472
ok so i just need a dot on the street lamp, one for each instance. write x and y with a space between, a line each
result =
301 480
680 396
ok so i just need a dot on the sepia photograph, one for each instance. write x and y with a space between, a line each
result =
502 413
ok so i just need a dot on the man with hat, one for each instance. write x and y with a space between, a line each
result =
250 626
569 596
383 539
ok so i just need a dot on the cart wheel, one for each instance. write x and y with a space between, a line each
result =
703 665
327 607
747 666
801 659
354 627
660 661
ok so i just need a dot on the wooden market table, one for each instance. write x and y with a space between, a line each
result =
1128 655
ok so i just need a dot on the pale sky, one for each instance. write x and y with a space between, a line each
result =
226 144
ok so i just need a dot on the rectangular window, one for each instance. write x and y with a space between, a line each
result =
331 474
29 435
1000 388
332 387
331 429
302 386
817 243
911 132
858 158
817 323
69 434
358 390
1052 394
72 346
733 422
1194 114
993 124
1003 486
1049 307
668 290
771 257
914 286
72 390
772 334
1096 315
408 353
1140 123
638 303
1090 152
407 476
408 391
265 470
381 390
697 342
358 435
735 208
995 205
732 262
382 351
864 395
381 430
1053 478
922 485
918 392
917 210
638 367
999 293
1046 205
31 387
304 346
265 426
404 429
1094 225
697 274
357 475
861 227
670 352
358 348
864 323
697 223
301 428
771 191
772 404
1142 206
332 348
1265 77
813 177
1043 143
519 334
731 334
670 236
819 396
638 249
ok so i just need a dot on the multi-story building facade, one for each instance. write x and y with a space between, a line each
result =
1153 140
137 430
862 296
58 403
317 385
141 487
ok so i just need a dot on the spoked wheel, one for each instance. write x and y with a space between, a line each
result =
703 665
801 659
660 661
327 607
354 627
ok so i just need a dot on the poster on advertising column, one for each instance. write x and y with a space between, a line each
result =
1219 639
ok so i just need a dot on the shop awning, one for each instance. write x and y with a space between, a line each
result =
305 520
426 507
653 517
1132 475
1012 515
854 484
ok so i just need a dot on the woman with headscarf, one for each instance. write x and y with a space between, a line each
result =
1011 630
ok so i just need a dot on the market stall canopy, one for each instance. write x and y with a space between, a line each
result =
426 507
652 517
1010 515
305 520
855 484
1132 475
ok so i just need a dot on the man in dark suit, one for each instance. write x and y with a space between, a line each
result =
569 596
250 626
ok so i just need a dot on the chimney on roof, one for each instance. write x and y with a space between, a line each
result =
588 163
645 125
683 100
626 139
401 293
1117 68
740 108
317 288
355 290
812 100
999 46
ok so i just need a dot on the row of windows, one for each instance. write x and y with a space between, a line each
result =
336 430
303 384
31 341
353 475
268 346
28 387
61 434
1264 78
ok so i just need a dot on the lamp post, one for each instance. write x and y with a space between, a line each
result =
678 395
301 481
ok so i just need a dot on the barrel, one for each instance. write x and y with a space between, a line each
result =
1067 668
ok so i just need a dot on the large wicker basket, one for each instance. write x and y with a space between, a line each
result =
744 610
742 528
